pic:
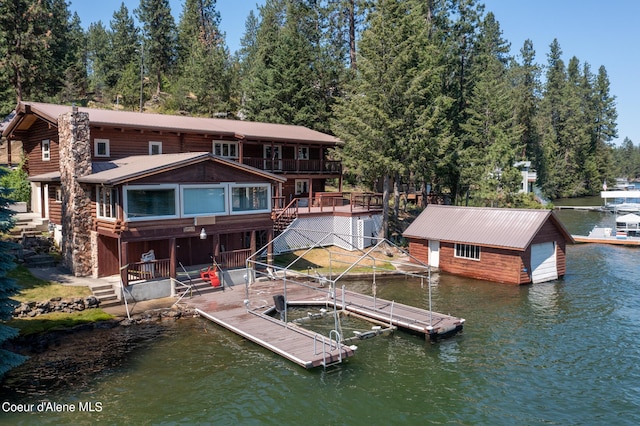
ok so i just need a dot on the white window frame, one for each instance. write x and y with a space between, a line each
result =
303 153
125 201
227 195
467 251
58 195
100 200
300 182
221 146
154 144
96 145
249 185
45 147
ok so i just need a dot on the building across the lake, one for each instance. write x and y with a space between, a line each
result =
515 246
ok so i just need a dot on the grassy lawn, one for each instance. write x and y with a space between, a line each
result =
335 259
57 321
35 289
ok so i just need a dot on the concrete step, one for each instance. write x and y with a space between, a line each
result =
40 261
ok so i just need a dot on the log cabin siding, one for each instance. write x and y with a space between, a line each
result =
55 207
419 249
32 145
500 265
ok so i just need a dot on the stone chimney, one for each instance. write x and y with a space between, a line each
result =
75 162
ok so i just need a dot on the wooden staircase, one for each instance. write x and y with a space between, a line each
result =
284 217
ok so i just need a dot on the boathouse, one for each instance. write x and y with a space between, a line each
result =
514 246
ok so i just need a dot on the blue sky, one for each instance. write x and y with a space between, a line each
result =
597 32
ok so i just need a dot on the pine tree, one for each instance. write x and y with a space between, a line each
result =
377 118
159 32
98 55
205 72
8 286
491 134
527 88
23 47
126 49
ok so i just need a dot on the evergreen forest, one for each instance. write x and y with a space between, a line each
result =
425 93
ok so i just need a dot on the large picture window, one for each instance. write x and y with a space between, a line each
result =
467 251
203 200
250 198
148 202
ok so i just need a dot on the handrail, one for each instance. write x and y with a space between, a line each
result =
337 341
287 208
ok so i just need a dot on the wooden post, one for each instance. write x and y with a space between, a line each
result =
124 264
172 257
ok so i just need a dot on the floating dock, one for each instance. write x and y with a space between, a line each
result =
620 241
249 317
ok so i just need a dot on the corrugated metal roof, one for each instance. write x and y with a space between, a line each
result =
175 123
512 228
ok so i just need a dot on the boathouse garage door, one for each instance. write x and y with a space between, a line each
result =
543 262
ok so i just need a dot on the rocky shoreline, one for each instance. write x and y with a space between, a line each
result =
73 357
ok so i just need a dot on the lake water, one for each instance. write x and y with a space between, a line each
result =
565 353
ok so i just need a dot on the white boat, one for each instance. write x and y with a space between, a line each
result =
626 232
621 201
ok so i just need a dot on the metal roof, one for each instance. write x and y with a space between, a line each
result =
510 228
235 129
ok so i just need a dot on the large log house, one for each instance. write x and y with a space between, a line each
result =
117 184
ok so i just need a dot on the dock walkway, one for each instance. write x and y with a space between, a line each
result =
245 313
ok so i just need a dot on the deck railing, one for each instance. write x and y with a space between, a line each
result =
233 259
291 165
153 269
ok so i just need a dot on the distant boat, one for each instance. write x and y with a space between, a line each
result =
626 232
621 201
623 184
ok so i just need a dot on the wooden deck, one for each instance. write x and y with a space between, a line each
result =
244 311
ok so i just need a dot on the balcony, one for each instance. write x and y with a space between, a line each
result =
331 167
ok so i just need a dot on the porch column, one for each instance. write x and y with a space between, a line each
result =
124 263
270 246
216 246
172 257
253 242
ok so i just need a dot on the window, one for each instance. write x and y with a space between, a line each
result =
58 195
303 153
46 150
225 149
155 148
250 198
143 202
302 186
106 202
467 251
272 157
203 200
101 147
